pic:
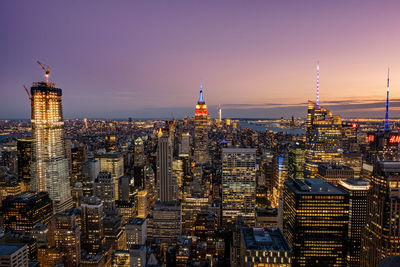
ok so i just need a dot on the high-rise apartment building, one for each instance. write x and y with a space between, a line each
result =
381 236
315 222
238 185
49 169
358 191
201 121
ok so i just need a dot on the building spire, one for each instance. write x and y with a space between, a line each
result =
387 105
201 99
317 101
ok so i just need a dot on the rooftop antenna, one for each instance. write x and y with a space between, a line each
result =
317 102
46 69
387 105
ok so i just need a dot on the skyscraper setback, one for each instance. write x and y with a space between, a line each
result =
50 170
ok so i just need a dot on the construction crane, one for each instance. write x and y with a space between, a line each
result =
27 91
46 71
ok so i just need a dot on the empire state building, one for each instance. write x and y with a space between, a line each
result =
201 119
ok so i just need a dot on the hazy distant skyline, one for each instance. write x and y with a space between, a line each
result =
257 59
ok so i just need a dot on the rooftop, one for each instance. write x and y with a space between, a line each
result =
137 221
9 249
314 186
264 239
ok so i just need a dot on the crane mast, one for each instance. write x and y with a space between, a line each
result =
46 70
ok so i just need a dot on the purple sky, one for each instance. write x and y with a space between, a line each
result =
142 59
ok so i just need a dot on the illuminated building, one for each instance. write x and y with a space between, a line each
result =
143 207
358 191
184 146
191 206
381 237
267 218
349 138
49 169
149 185
127 209
334 173
23 211
138 153
296 161
49 257
65 237
167 187
353 160
280 174
264 247
9 187
78 158
114 232
92 225
165 222
40 233
138 255
238 185
201 119
315 222
112 162
121 258
324 139
136 232
104 189
13 255
111 143
24 153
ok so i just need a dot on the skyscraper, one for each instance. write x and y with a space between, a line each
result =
138 160
24 153
358 191
23 211
112 162
324 137
104 189
92 225
50 171
65 236
201 118
315 222
165 181
381 237
238 185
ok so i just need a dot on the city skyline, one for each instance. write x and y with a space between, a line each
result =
145 60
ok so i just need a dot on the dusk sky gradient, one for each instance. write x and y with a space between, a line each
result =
144 59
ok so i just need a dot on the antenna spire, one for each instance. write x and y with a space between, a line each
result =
387 105
317 101
201 99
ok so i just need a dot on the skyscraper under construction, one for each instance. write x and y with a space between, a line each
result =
50 171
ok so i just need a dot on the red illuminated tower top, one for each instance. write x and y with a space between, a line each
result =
201 107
